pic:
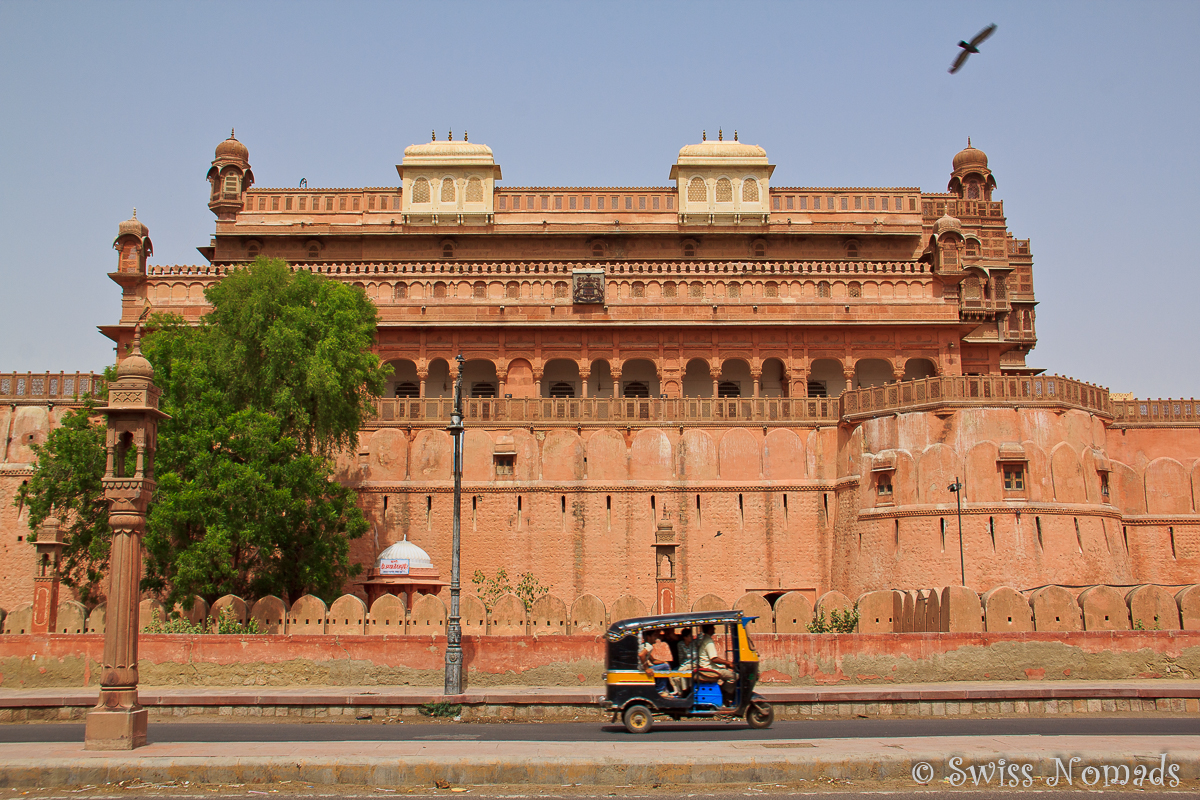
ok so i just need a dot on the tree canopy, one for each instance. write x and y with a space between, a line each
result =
262 394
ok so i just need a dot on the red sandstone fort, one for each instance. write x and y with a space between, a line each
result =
696 392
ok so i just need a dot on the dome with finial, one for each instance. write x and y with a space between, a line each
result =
970 157
133 226
233 149
947 224
406 550
135 364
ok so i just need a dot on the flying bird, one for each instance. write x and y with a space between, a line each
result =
971 47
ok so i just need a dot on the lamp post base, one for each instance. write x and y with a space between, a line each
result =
120 729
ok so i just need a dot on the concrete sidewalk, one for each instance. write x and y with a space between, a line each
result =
624 760
522 702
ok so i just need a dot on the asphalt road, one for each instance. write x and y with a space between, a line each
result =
267 731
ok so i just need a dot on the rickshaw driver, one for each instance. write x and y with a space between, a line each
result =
710 664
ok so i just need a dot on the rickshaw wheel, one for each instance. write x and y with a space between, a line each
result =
760 715
638 719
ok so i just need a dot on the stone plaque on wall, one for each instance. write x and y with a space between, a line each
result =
588 286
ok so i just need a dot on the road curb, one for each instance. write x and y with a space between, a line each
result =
634 763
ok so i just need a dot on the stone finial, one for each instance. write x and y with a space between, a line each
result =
968 141
450 136
135 212
433 136
720 135
735 134
465 136
231 136
704 136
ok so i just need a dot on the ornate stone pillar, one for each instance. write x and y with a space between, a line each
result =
44 616
757 376
716 387
583 382
537 382
897 373
849 373
422 376
501 382
118 722
665 545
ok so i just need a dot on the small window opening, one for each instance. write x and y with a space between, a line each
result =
1038 522
1125 537
741 511
699 519
1104 484
1171 533
897 534
504 463
689 250
1014 478
992 531
943 527
1078 536
884 486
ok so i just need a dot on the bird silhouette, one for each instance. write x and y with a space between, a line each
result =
971 47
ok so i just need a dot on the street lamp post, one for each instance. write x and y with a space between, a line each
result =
454 670
956 487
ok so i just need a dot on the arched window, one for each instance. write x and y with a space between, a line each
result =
689 249
771 289
447 190
696 290
734 289
598 249
852 249
971 288
823 289
724 191
636 389
407 389
420 191
447 249
729 389
697 191
231 186
760 249
560 289
639 289
474 190
512 290
854 289
252 250
401 291
439 290
749 191
562 389
483 390
669 289
479 290
314 252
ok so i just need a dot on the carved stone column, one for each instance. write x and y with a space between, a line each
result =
849 379
44 616
583 382
757 376
422 376
665 545
118 722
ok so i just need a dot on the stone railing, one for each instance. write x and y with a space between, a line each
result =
47 386
624 411
1156 412
1042 390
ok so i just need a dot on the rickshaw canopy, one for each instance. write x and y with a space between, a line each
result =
619 630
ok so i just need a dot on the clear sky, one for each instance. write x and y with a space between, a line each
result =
1088 112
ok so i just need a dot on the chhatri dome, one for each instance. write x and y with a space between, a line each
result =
135 364
134 226
970 157
708 151
417 558
232 148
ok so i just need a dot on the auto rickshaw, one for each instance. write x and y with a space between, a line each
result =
632 694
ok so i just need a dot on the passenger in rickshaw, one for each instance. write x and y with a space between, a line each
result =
710 665
655 656
685 651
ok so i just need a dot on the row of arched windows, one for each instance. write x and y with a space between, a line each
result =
422 192
697 190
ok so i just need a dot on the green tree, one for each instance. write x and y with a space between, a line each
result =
262 394
66 483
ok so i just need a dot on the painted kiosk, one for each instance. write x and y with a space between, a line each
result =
637 695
